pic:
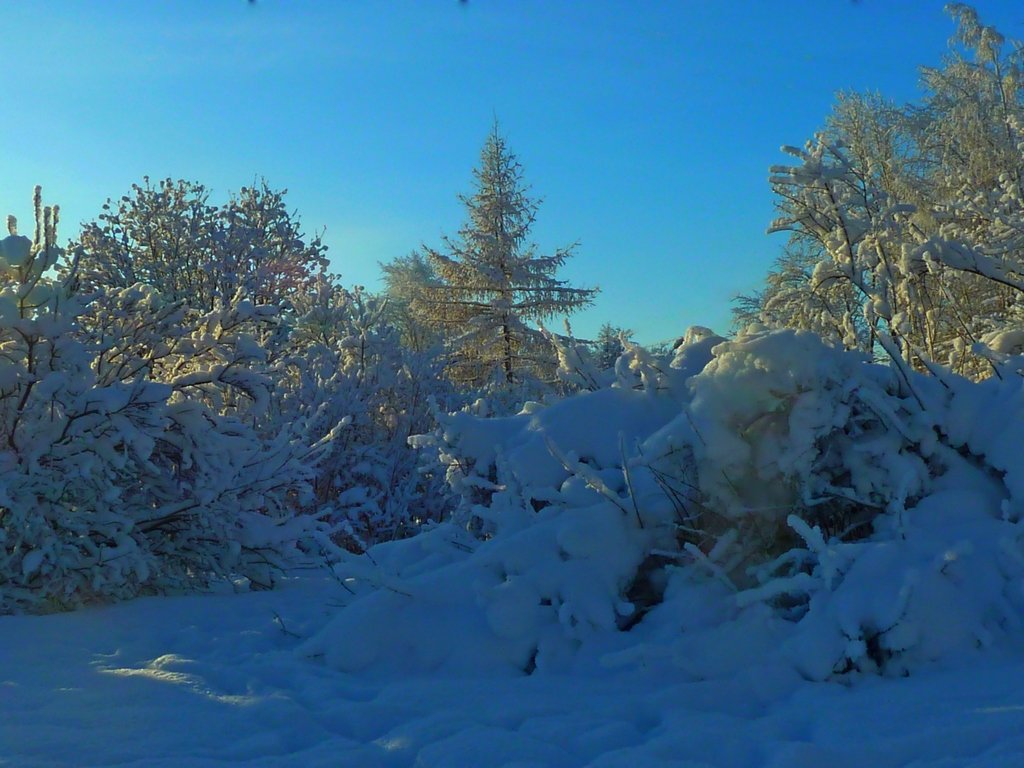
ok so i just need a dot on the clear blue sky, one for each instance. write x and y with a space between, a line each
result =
646 126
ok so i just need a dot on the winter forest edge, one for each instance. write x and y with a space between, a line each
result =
189 400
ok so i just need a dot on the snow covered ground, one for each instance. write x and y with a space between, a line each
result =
212 680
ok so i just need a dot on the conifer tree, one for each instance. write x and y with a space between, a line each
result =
405 279
492 282
608 346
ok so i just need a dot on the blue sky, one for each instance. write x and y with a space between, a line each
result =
646 127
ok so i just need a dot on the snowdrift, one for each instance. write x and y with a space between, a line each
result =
766 503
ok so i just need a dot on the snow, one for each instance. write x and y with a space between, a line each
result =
762 552
212 680
757 551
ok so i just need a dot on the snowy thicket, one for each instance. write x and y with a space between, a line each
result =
116 481
191 397
346 366
865 517
161 434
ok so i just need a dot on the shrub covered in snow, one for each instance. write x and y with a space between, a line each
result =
864 517
130 460
187 400
345 366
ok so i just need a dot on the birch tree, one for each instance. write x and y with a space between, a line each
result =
907 222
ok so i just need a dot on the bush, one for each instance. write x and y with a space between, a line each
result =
853 514
130 461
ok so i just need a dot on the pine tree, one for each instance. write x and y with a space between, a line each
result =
492 281
609 347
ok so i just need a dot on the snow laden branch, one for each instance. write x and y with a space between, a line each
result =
906 222
772 481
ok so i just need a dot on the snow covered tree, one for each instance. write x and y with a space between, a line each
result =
130 463
170 238
914 212
265 253
492 282
159 236
406 278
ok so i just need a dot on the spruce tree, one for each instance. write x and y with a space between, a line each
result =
608 346
492 282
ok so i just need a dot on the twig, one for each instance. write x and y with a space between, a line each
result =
280 625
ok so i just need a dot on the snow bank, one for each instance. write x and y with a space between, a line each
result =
763 503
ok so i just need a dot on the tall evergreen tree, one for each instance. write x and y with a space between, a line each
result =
492 281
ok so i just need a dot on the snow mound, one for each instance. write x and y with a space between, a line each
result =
767 503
